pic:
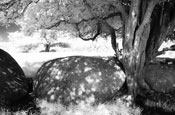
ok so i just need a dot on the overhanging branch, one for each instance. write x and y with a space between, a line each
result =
29 2
169 29
122 10
166 31
7 4
168 25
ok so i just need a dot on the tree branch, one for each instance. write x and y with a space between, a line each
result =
111 15
167 31
29 2
145 22
6 5
142 35
121 9
25 8
130 26
168 25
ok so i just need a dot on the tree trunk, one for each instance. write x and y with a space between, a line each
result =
146 28
135 62
47 47
137 30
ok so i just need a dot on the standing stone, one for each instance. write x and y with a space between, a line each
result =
13 84
78 79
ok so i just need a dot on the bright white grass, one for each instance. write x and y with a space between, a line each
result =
116 108
16 113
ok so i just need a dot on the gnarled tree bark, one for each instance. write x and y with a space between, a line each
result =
147 26
137 30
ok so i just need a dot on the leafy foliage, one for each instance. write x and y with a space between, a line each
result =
68 15
12 9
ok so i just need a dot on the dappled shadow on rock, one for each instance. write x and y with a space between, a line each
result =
78 79
157 88
13 83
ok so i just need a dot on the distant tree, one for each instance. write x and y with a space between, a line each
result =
145 25
49 38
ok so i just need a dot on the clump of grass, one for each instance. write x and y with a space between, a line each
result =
116 108
119 107
14 113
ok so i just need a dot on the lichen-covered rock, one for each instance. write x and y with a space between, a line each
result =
76 79
13 84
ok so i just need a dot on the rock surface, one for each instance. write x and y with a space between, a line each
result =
13 84
158 86
78 79
160 77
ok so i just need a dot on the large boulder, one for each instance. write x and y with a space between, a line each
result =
13 83
78 79
160 77
157 86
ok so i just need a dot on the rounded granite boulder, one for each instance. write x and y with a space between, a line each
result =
160 77
78 79
13 83
157 86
